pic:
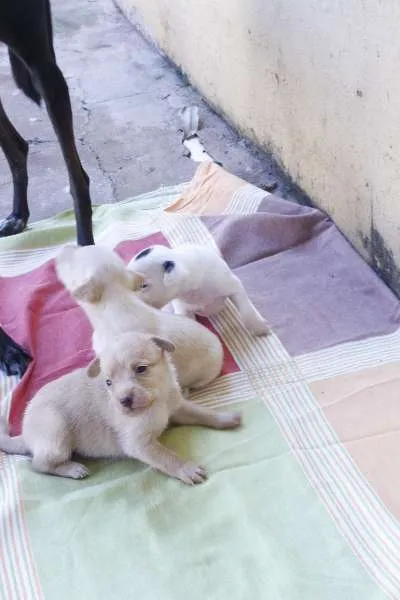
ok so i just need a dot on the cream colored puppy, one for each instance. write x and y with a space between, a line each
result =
99 281
120 414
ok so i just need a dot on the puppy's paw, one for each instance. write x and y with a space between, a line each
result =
229 420
192 474
74 470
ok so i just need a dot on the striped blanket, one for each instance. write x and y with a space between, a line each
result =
302 501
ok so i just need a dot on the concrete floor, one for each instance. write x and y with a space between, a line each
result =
126 99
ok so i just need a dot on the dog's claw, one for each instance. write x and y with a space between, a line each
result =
192 474
11 226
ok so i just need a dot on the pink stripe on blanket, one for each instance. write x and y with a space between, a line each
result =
38 313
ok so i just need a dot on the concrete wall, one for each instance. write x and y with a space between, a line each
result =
315 81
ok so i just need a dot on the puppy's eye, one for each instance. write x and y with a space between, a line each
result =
144 286
140 369
108 382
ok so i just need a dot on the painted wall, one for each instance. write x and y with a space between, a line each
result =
315 81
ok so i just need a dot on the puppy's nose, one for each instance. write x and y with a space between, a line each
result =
127 401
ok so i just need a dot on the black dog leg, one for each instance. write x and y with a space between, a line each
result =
54 90
15 149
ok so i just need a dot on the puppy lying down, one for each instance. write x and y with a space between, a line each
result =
99 281
117 407
196 279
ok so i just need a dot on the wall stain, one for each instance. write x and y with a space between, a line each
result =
382 260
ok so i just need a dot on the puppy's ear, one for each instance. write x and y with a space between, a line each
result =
143 253
164 344
91 291
93 369
136 281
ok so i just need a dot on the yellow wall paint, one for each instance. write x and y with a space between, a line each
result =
315 81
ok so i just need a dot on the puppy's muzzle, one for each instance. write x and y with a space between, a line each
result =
135 401
128 401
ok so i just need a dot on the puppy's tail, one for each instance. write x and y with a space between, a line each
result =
11 445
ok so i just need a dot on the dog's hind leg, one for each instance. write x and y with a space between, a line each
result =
15 149
190 413
70 469
52 453
53 88
50 442
250 316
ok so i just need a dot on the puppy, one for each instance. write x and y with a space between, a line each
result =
198 281
99 281
120 414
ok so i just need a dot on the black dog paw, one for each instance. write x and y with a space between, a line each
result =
14 360
11 225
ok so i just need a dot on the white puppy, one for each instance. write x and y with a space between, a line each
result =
120 414
196 279
99 281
